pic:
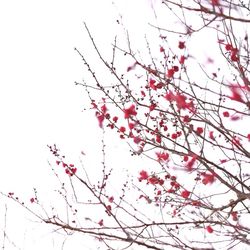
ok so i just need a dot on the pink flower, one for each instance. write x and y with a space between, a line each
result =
208 178
131 125
209 229
182 59
143 175
100 223
100 118
170 96
115 119
185 194
236 95
152 84
153 180
199 130
104 109
170 73
211 135
234 215
181 45
162 156
158 138
129 111
131 67
122 129
174 136
248 137
190 164
215 2
137 139
111 199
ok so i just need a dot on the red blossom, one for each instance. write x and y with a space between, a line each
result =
233 52
236 95
208 178
215 2
185 194
32 200
129 112
94 105
100 118
181 100
170 73
236 141
100 223
122 129
196 203
104 109
115 119
235 118
234 57
211 135
170 96
182 103
174 136
199 130
143 175
234 215
111 199
182 59
223 161
248 137
70 171
137 139
209 229
228 47
226 114
176 68
152 84
162 156
153 180
158 138
162 49
152 107
191 163
185 158
65 165
108 210
131 67
159 85
111 126
143 93
181 45
186 118
131 125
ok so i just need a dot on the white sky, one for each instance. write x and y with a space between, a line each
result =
39 103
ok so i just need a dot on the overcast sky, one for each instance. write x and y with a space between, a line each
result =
39 103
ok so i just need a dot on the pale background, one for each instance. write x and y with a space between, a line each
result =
39 103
